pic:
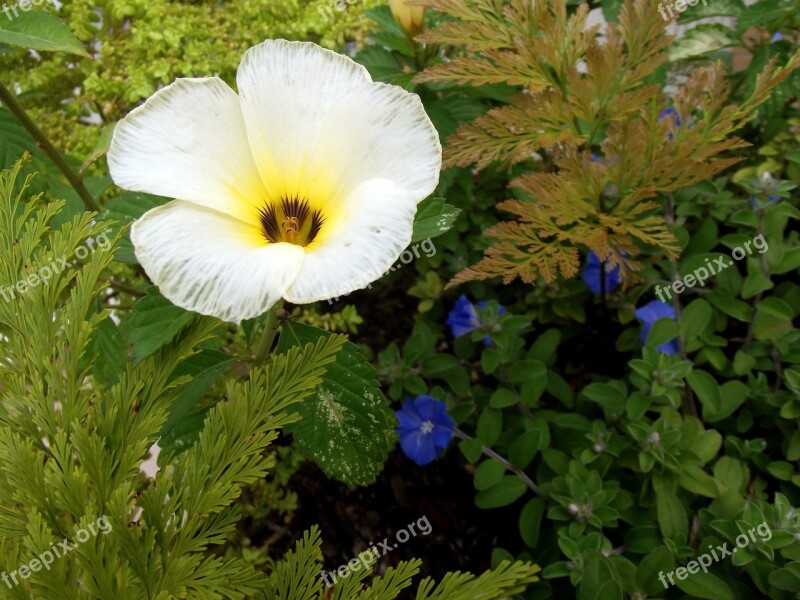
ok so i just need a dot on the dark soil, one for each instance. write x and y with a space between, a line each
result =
441 494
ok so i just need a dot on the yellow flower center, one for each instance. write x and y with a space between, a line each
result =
291 221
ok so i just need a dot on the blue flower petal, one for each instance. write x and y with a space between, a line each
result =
409 416
649 314
669 348
463 319
591 275
442 434
419 447
429 407
424 445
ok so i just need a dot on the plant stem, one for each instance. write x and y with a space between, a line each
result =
268 336
676 303
47 147
492 454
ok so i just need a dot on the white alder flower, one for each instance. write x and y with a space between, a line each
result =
302 186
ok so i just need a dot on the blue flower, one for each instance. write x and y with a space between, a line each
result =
776 37
425 429
670 112
649 314
464 318
591 275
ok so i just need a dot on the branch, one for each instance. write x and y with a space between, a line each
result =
47 147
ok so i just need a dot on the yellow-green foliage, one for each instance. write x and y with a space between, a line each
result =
589 108
140 45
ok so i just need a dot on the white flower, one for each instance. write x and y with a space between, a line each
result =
304 186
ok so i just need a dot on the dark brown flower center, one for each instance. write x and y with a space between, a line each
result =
291 221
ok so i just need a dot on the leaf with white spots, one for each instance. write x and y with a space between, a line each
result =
434 217
347 427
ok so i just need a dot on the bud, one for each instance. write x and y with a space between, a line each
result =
409 17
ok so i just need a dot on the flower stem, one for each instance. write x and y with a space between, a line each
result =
492 454
268 335
47 147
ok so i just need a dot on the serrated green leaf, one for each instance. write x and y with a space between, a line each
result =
700 40
434 217
155 322
347 427
203 368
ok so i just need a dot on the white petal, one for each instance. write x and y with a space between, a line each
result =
211 263
188 141
287 90
361 248
382 132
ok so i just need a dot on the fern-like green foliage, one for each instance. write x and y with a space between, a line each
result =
587 106
296 577
71 446
71 450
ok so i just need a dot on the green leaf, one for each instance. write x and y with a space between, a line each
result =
658 561
705 585
434 217
672 519
530 521
509 489
707 390
155 322
471 449
525 447
787 578
705 38
600 578
182 436
502 398
713 8
662 332
773 319
39 30
203 368
347 427
488 474
698 481
390 34
695 318
123 210
111 354
490 426
101 148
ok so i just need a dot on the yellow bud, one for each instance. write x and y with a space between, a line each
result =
409 17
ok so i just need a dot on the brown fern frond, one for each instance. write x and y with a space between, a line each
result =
578 95
511 134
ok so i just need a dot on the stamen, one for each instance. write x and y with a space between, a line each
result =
292 216
291 229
